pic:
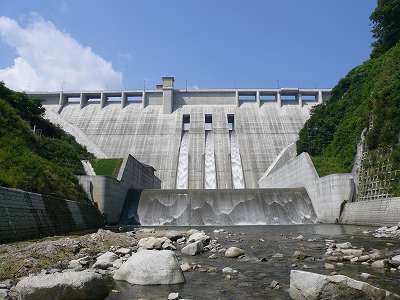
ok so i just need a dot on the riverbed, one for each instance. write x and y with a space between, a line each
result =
268 256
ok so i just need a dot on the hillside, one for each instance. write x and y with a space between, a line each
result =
44 163
367 97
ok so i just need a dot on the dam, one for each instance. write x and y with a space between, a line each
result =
195 139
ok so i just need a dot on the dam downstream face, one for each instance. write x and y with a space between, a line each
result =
225 207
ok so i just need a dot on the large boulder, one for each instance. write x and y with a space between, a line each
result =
312 286
150 243
233 252
105 260
65 286
193 248
151 267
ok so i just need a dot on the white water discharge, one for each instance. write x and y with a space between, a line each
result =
237 171
210 179
183 163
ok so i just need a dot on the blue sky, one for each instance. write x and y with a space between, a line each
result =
309 43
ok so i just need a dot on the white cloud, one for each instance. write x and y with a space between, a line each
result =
48 59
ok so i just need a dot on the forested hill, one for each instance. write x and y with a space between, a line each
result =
45 162
368 97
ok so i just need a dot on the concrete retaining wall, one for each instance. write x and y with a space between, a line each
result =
326 193
110 193
26 215
372 212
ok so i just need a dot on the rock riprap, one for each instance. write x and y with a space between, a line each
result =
83 285
148 267
312 286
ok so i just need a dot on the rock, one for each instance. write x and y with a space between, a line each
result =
300 237
363 258
123 251
354 260
375 255
167 245
147 230
150 243
6 284
185 267
365 275
75 265
277 255
395 260
193 248
329 266
149 267
229 270
181 240
173 296
299 255
312 286
3 294
334 258
353 252
380 264
105 260
345 245
191 231
233 252
174 235
118 263
64 286
212 256
199 236
274 285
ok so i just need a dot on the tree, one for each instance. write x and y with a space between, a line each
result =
386 26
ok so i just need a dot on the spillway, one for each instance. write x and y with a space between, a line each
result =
183 163
210 179
226 207
237 170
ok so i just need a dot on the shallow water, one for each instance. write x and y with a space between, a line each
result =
254 278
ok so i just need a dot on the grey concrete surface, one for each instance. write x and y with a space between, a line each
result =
326 193
110 194
26 215
150 129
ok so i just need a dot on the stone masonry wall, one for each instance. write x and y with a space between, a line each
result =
372 212
25 215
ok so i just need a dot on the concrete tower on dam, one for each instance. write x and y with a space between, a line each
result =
194 139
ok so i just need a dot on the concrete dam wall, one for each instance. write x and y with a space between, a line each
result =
246 129
226 207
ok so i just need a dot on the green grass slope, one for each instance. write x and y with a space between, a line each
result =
107 167
44 163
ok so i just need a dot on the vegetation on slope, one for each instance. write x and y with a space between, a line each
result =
107 167
45 163
368 97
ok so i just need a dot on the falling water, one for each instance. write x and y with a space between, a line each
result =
183 163
237 171
209 163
